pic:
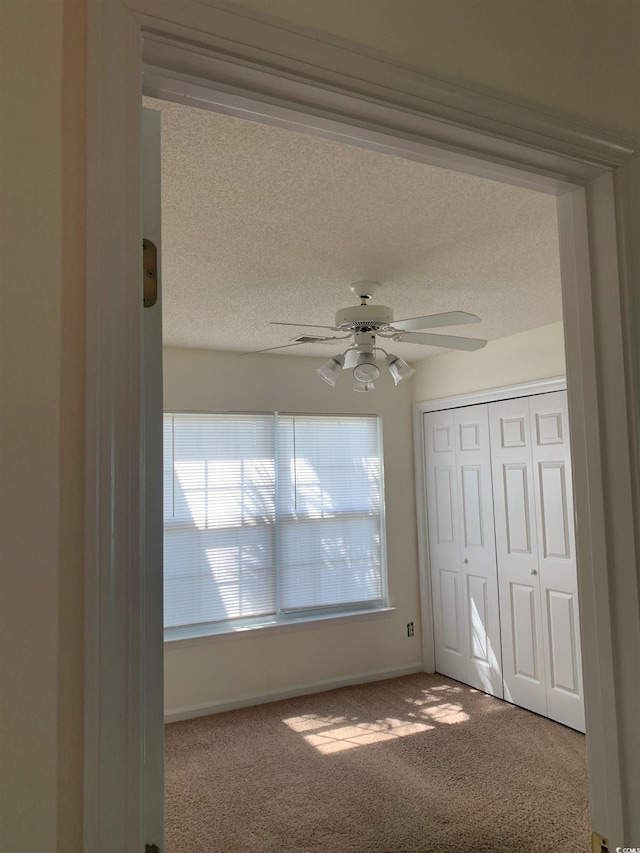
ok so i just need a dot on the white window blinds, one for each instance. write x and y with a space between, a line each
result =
269 517
219 549
329 511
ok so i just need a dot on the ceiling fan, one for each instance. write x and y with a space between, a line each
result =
365 322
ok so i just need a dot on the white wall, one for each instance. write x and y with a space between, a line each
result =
42 174
223 670
536 354
579 57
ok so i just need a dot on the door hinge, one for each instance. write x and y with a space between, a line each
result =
149 274
151 848
599 844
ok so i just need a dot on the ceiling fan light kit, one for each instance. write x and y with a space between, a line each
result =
364 322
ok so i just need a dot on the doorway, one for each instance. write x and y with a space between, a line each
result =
599 377
202 225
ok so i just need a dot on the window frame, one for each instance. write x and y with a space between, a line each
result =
290 618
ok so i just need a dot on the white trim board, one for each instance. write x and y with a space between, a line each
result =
506 392
458 128
280 628
191 711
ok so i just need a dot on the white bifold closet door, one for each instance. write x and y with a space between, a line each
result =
535 549
502 552
462 547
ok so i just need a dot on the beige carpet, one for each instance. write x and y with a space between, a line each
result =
419 763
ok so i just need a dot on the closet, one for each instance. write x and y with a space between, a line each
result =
502 552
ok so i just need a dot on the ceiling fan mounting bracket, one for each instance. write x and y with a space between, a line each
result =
364 290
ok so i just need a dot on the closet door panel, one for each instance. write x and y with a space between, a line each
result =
477 547
522 612
523 662
451 630
444 544
556 540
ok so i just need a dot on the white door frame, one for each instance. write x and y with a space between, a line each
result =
328 87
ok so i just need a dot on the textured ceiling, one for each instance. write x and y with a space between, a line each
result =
263 224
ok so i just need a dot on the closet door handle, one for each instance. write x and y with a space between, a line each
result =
534 571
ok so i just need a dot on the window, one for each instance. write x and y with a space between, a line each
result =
270 518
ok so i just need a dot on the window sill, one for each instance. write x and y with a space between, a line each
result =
303 623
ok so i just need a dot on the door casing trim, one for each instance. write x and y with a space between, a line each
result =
348 91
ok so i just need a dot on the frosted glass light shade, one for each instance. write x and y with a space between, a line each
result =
366 369
331 370
350 359
398 368
363 386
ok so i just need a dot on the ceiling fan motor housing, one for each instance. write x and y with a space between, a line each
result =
364 317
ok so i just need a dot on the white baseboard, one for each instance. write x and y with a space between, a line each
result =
204 710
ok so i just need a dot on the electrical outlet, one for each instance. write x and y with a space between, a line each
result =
410 631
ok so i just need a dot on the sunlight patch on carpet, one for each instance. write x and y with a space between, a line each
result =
337 734
448 713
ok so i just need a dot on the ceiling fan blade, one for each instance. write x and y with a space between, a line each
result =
302 325
268 349
320 339
435 321
448 341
